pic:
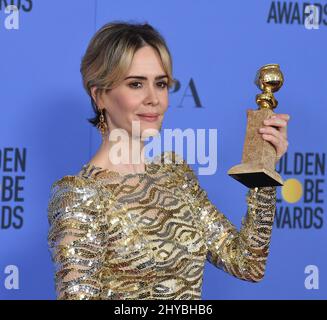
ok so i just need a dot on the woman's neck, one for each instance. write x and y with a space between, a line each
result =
122 156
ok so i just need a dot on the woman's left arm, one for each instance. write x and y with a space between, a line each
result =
242 254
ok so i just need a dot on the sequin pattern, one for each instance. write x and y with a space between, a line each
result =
148 235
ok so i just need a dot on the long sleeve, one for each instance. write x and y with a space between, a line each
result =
243 253
76 239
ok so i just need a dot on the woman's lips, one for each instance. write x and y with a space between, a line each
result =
148 117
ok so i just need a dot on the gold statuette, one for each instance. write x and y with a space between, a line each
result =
257 168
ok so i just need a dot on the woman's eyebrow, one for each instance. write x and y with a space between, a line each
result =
145 78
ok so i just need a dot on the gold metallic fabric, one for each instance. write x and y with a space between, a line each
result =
147 235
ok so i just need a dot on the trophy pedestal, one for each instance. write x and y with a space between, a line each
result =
257 168
255 175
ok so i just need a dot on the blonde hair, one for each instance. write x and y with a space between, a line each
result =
110 53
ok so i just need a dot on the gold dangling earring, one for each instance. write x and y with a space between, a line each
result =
102 126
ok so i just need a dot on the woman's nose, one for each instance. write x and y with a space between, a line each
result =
152 96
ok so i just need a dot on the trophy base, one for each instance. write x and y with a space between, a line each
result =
255 175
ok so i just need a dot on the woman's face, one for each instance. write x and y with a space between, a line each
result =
142 96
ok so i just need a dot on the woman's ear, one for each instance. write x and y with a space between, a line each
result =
94 94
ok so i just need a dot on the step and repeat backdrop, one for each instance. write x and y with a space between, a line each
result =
217 48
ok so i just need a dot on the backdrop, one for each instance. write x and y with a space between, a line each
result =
217 47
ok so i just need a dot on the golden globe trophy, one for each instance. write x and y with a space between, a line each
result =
257 168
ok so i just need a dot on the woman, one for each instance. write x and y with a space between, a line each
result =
141 230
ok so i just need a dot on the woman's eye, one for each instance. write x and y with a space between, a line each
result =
163 84
134 85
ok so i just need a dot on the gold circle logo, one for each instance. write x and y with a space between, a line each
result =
292 190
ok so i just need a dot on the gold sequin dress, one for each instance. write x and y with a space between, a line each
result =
147 235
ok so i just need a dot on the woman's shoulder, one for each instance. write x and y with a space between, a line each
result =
67 189
69 182
71 194
83 178
72 188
